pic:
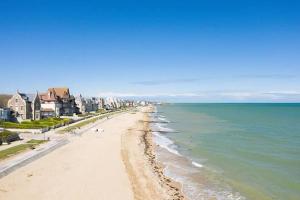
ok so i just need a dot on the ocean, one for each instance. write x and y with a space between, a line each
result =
231 151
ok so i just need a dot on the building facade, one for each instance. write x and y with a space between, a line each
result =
85 105
94 103
57 102
80 104
5 114
101 103
25 106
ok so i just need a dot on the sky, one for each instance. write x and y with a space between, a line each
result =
177 51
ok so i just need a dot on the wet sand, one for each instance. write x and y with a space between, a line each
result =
145 172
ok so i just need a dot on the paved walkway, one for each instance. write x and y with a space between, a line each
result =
51 134
56 140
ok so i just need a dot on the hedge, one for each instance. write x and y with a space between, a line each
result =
7 136
37 124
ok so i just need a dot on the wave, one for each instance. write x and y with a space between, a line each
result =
197 164
185 170
163 119
160 139
162 128
165 143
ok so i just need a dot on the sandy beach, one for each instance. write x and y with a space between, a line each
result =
145 173
116 164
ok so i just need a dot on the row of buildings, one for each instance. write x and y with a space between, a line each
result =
55 102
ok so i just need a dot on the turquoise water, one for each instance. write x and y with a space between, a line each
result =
251 150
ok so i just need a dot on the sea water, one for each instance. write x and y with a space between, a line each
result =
231 151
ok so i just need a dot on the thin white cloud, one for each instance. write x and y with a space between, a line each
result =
164 82
194 80
285 92
119 94
214 95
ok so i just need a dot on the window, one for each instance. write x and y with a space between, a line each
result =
17 100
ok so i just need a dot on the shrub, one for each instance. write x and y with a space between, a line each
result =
7 136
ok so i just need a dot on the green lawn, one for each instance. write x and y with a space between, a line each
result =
80 124
88 121
101 111
37 124
19 148
35 141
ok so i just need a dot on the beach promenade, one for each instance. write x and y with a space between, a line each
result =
88 167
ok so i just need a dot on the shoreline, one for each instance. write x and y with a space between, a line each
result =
145 171
119 163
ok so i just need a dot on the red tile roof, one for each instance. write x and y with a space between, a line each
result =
54 94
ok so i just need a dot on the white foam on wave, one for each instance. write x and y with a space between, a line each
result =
161 127
165 143
193 190
162 119
162 140
197 164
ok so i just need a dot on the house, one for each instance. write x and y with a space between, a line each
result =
57 102
80 104
89 105
5 114
101 103
25 106
112 103
51 105
94 103
85 105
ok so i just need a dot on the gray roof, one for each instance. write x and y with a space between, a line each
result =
31 97
28 97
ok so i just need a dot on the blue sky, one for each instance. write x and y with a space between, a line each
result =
183 51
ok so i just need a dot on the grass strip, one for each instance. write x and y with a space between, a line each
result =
88 121
33 141
19 148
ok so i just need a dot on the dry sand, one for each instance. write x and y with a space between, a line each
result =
117 164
